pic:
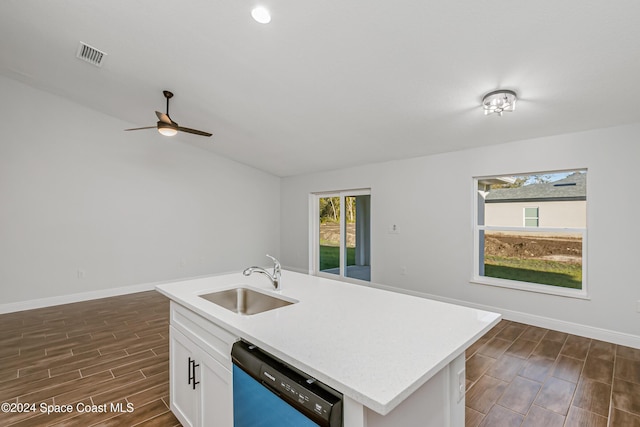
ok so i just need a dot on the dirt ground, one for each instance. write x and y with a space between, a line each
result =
330 232
559 248
556 248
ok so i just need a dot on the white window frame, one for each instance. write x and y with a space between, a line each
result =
314 234
515 284
525 217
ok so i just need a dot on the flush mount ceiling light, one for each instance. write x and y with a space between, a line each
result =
499 101
261 15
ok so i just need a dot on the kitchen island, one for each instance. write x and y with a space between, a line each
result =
397 359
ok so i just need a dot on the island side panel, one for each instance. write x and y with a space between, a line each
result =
457 390
354 413
435 404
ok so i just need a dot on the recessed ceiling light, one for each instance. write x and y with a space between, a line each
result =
261 15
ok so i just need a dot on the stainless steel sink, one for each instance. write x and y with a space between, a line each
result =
245 300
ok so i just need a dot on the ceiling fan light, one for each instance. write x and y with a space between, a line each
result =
166 129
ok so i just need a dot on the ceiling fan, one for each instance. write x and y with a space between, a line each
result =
168 127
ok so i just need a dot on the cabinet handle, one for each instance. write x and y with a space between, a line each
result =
192 372
195 365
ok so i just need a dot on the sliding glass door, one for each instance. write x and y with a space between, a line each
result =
342 234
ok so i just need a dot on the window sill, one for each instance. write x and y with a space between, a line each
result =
532 287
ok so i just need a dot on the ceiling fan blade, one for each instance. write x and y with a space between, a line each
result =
148 127
196 132
164 117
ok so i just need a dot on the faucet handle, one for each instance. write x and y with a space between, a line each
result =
275 262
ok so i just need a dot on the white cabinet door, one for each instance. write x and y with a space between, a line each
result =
216 397
201 387
184 399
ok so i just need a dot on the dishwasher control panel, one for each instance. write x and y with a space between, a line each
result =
315 400
286 386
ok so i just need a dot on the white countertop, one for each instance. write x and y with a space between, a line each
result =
375 346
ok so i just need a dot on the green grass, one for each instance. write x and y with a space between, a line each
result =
555 273
330 257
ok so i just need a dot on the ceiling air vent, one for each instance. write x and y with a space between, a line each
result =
90 54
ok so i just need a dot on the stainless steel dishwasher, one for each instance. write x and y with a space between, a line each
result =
269 393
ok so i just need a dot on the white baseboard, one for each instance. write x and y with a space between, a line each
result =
296 269
615 337
593 332
86 296
78 297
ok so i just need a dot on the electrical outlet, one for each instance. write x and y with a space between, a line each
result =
393 229
81 274
462 384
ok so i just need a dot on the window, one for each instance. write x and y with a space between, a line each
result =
530 217
341 234
530 232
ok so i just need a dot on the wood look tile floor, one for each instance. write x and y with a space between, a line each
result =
101 352
521 375
116 350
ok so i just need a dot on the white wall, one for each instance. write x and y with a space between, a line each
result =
434 221
126 208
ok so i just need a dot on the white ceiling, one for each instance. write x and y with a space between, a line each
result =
335 83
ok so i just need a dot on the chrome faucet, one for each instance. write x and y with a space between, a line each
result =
275 277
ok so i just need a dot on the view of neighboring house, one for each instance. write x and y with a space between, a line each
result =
547 205
533 233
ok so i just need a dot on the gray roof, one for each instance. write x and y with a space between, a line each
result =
573 187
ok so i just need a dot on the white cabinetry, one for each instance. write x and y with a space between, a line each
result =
200 370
